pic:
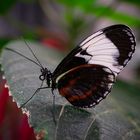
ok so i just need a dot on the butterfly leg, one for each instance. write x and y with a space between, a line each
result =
53 109
33 95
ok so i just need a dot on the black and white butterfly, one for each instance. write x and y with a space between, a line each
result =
86 75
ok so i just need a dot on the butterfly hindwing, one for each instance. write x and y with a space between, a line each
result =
86 85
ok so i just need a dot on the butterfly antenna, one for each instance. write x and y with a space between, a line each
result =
9 49
32 53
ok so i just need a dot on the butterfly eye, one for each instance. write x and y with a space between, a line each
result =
42 77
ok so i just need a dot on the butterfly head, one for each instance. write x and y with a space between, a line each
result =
46 75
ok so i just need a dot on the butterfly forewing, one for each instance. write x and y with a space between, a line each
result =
86 75
111 47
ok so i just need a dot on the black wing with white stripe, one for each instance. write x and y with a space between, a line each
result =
111 47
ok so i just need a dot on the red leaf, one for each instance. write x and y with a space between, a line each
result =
13 123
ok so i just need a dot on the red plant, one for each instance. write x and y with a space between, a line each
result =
13 123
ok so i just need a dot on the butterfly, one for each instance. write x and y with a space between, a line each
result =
86 75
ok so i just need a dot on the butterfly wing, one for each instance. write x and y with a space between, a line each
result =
86 85
87 74
111 47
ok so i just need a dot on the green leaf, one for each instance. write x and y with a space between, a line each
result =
116 117
81 3
136 2
91 7
5 5
3 41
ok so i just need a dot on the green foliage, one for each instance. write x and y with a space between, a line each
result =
5 5
99 10
81 3
135 2
3 41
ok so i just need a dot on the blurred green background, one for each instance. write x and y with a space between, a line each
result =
62 24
